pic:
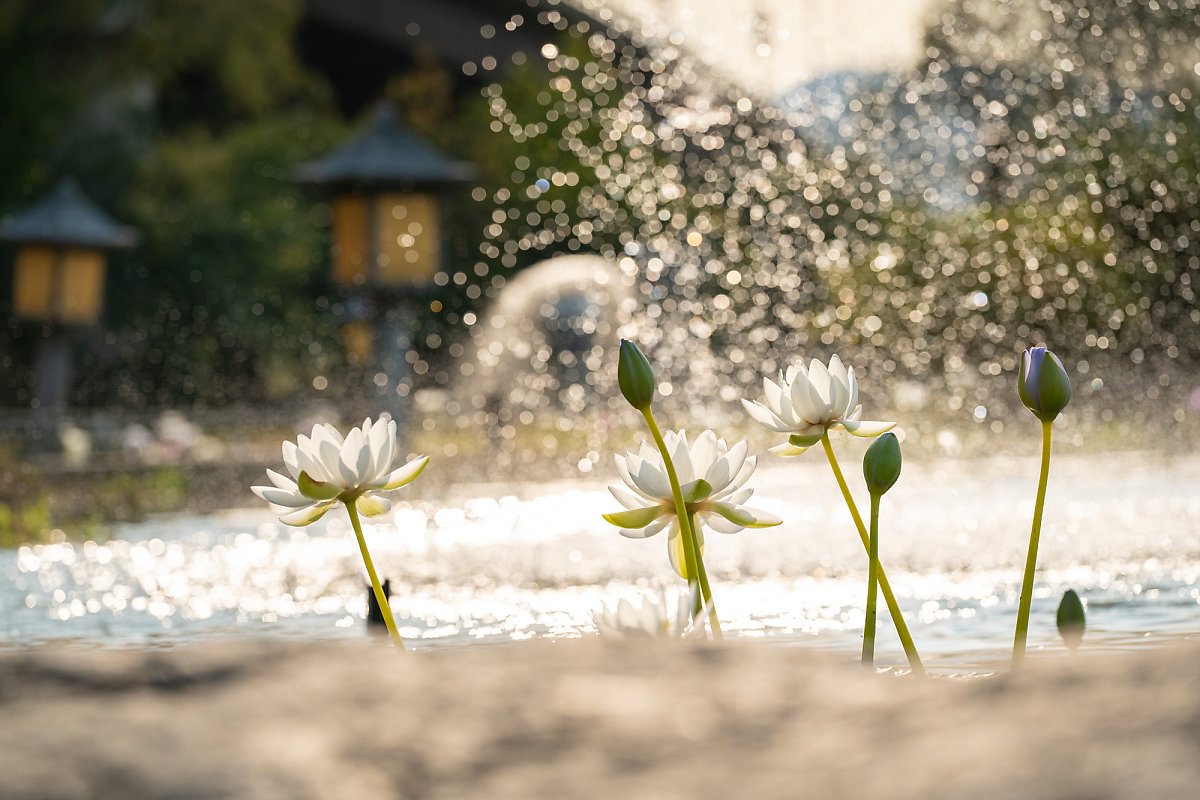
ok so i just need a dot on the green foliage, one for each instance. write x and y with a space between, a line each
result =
27 515
123 496
184 119
27 523
225 281
1085 177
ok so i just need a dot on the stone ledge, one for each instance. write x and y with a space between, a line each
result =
584 719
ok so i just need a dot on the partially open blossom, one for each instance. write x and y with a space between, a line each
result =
326 469
650 616
810 401
1042 383
711 475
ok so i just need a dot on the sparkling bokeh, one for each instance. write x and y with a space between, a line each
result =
1030 179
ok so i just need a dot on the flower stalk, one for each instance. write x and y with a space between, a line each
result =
1022 633
868 649
881 470
906 640
693 558
1045 389
385 607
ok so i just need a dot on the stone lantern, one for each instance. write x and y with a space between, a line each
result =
58 281
386 187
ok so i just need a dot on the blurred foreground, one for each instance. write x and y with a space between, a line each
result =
576 719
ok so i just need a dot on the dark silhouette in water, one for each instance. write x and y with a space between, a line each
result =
375 623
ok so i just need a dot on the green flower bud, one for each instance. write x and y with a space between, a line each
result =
1071 622
635 376
1042 384
881 465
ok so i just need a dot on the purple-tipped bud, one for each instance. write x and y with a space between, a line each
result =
1042 384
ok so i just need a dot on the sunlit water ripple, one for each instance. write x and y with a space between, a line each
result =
528 561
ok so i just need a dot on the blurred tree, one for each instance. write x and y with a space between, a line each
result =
1047 171
184 119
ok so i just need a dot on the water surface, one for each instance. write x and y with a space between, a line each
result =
506 563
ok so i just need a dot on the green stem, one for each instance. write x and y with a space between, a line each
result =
1031 559
385 607
910 649
868 651
693 559
702 573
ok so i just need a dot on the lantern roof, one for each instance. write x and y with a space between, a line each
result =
386 154
66 217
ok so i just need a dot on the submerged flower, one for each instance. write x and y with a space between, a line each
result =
711 475
1042 383
808 402
327 469
648 616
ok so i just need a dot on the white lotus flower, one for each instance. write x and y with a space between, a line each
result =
648 616
807 403
711 475
327 469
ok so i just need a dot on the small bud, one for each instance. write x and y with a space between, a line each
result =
1071 623
635 376
1042 384
881 465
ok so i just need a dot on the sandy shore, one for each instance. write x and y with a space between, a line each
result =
585 719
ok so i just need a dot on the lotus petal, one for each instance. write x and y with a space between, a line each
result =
307 516
720 524
746 517
867 429
402 476
355 458
623 468
281 481
765 417
651 480
372 505
681 456
290 459
634 518
787 450
281 497
316 490
705 451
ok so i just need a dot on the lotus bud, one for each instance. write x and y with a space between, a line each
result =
635 376
1042 384
881 465
1071 622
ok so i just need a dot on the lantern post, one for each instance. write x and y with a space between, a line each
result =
386 187
61 243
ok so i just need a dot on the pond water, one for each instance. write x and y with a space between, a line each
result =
506 563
